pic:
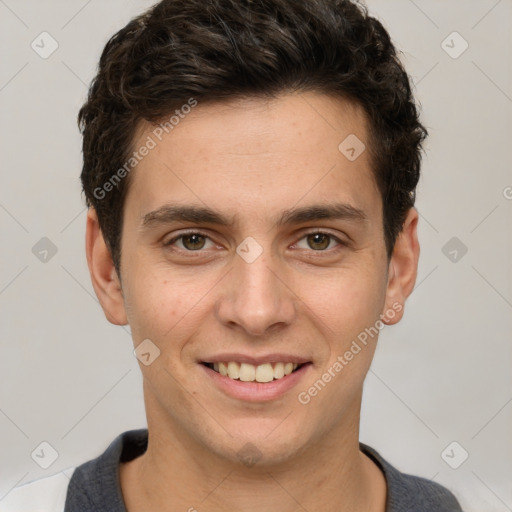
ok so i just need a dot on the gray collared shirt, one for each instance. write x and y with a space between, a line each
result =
94 486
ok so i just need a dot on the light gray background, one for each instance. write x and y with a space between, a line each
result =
442 375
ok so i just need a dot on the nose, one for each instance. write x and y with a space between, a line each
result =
255 298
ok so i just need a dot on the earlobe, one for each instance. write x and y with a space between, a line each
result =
104 277
403 268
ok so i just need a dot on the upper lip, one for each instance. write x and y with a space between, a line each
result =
256 360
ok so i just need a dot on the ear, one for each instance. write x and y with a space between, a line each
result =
104 277
403 269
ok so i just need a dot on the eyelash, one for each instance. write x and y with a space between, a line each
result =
187 233
340 243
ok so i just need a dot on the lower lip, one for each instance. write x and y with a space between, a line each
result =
256 391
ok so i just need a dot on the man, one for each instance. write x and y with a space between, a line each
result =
250 169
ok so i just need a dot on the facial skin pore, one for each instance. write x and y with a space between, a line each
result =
270 170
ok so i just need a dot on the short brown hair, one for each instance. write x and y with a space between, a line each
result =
214 50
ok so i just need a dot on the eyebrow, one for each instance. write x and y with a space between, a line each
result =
202 215
171 213
337 211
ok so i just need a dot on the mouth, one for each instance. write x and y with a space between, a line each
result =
246 372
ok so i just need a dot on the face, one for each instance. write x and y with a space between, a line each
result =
253 246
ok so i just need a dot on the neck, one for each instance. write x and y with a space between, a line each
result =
177 473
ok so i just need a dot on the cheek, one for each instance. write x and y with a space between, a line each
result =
167 310
153 305
346 302
349 307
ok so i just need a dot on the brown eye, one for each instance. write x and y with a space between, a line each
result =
193 242
318 241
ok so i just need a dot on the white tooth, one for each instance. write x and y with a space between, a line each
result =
222 369
233 370
278 371
288 368
295 366
264 373
247 372
216 366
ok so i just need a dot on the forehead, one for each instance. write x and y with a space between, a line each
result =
257 156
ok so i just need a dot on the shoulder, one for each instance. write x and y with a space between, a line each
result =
408 493
43 495
93 485
424 495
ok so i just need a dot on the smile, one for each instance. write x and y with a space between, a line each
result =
246 372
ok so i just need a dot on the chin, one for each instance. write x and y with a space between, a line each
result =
258 445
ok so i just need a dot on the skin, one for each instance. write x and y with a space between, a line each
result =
251 160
